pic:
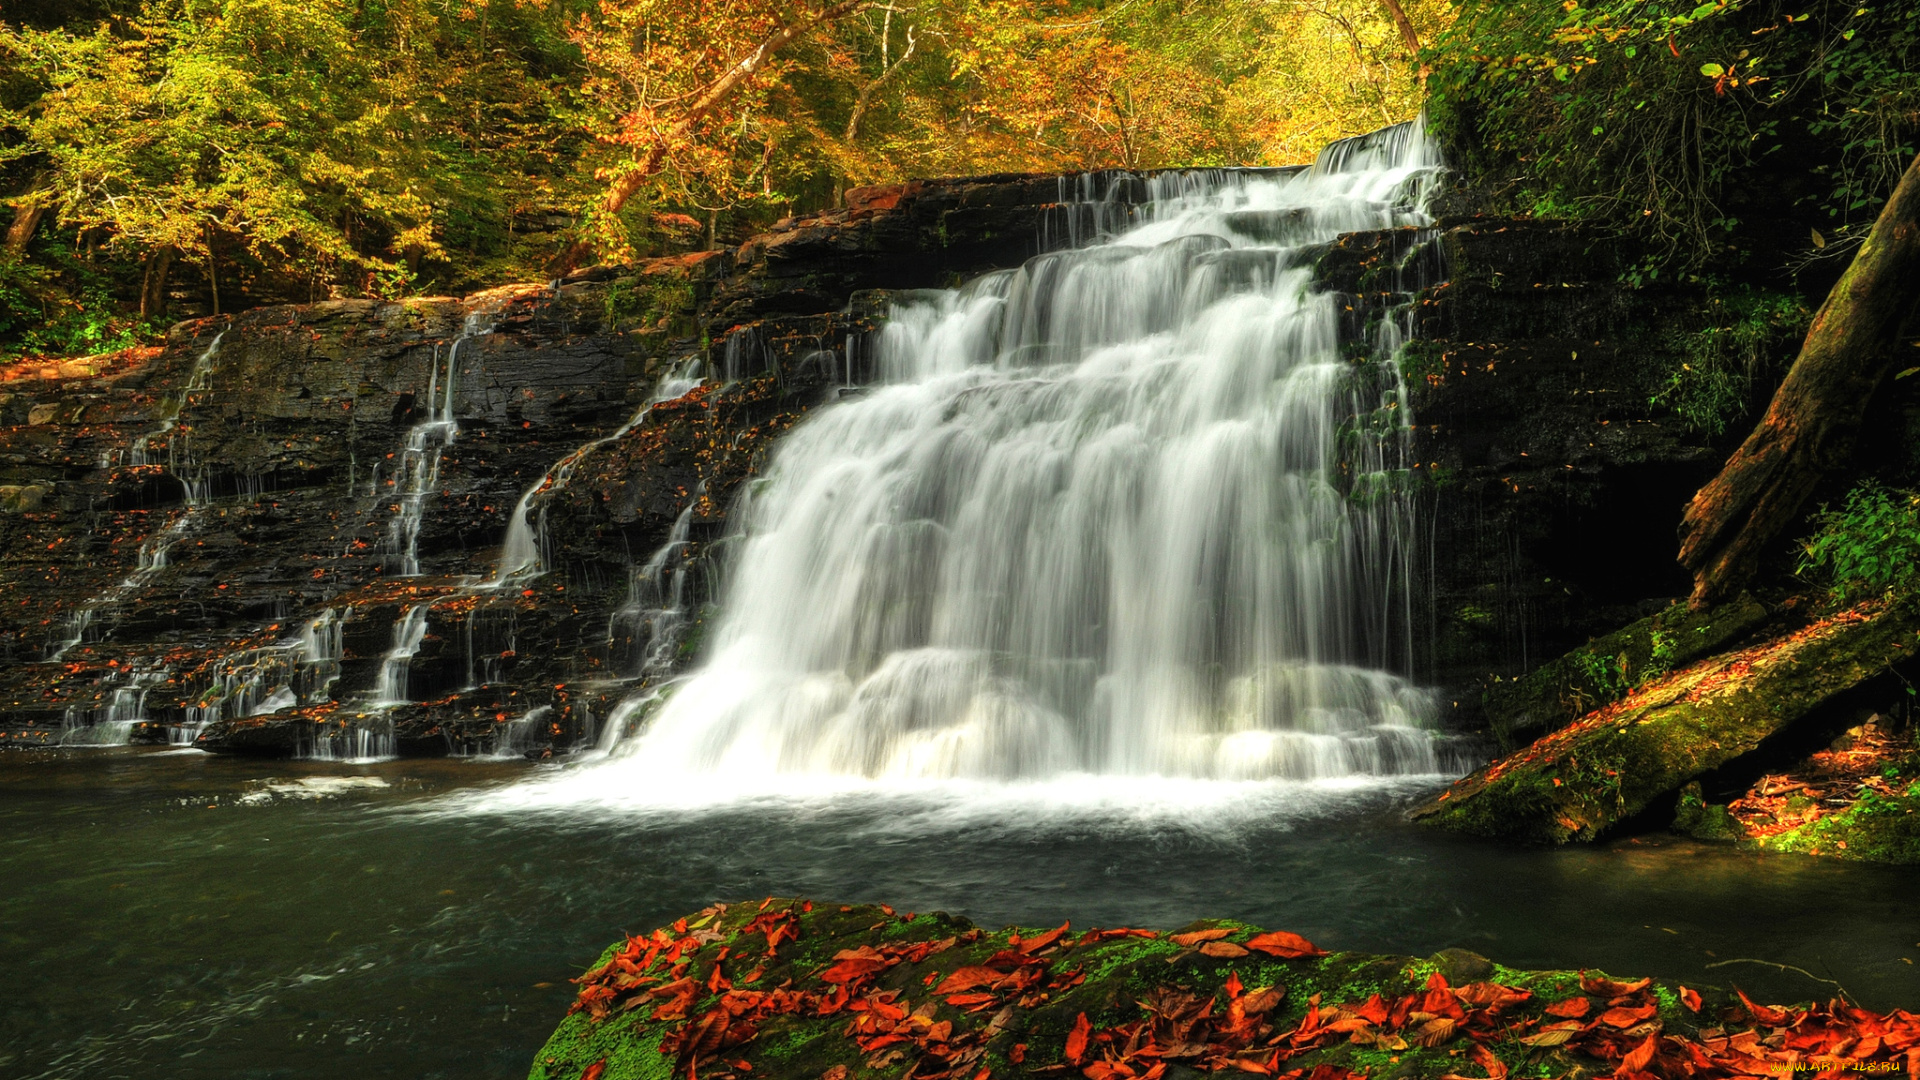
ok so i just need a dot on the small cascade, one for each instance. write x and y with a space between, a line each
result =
655 616
199 378
152 557
293 673
408 633
1138 508
114 724
515 737
417 474
524 553
367 741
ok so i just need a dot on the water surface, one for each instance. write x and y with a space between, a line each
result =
176 915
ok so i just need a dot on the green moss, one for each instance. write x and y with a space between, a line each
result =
1874 829
1608 668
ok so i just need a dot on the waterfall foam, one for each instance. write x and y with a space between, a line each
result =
1129 509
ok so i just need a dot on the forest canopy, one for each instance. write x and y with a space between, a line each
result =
161 158
167 158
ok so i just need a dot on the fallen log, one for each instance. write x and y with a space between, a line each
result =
1580 781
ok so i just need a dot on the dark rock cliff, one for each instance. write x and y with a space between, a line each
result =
253 569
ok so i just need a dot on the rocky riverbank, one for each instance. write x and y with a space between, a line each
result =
796 990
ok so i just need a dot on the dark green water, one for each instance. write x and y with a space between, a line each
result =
173 915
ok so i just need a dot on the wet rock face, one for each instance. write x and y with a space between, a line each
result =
245 584
1551 487
185 592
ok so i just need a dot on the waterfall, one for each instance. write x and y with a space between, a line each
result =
655 613
198 379
152 556
418 471
296 672
524 552
1133 509
408 633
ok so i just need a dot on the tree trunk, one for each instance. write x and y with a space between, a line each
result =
1405 26
213 271
1811 427
153 284
716 92
26 218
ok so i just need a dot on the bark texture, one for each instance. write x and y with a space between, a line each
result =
1811 427
26 218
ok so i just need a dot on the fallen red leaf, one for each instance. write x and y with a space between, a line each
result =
1601 986
1690 998
1034 945
1195 937
1764 1013
1573 1008
1639 1057
1284 945
1483 1057
1626 1017
968 978
594 1070
1222 950
1077 1040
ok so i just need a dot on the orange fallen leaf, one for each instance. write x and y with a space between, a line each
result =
1284 945
1077 1040
1573 1008
1195 937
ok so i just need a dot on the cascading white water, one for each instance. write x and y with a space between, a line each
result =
298 671
152 556
655 614
1117 512
408 633
418 472
523 553
198 379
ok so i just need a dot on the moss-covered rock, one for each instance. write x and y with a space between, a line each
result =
792 990
1605 669
1580 781
1873 829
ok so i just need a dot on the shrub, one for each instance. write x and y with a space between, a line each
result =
1871 544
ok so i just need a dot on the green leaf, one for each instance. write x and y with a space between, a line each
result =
1909 371
1712 71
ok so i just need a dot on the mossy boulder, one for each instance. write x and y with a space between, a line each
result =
1609 667
1580 781
793 990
